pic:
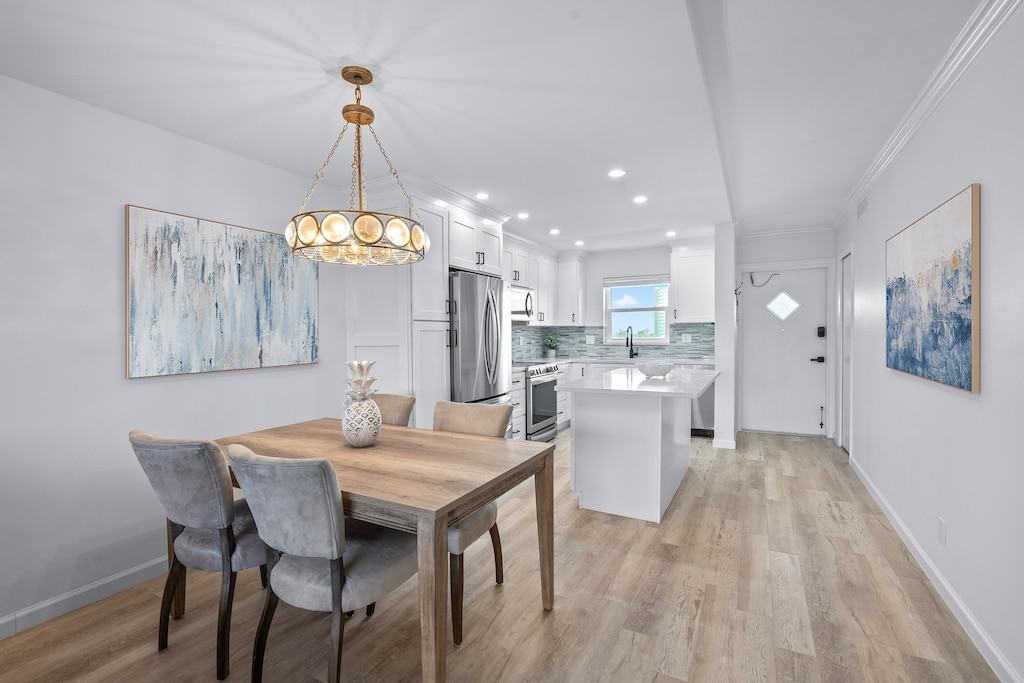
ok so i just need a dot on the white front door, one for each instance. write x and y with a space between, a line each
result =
782 381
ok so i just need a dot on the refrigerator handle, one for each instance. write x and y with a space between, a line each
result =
492 334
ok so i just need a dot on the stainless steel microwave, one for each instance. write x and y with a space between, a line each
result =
520 302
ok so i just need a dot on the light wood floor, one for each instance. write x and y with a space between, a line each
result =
772 564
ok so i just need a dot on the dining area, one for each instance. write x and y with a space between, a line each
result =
343 526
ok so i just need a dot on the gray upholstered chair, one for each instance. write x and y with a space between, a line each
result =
395 409
210 524
486 420
297 505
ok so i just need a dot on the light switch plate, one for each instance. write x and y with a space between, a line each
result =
591 339
686 338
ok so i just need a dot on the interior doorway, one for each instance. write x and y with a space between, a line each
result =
783 323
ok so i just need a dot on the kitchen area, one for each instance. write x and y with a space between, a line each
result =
535 322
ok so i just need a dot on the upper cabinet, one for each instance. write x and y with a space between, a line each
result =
530 265
572 290
541 277
514 264
473 244
692 289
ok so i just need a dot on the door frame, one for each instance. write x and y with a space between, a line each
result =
844 394
831 341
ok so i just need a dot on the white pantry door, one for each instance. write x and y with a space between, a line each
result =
781 388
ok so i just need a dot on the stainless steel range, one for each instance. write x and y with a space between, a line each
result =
542 401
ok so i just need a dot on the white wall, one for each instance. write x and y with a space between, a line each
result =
927 450
75 505
602 264
786 245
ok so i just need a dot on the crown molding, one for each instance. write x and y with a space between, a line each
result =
422 188
784 232
987 19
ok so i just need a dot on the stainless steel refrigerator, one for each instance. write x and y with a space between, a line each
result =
481 339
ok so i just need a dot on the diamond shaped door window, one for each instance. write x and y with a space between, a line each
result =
782 305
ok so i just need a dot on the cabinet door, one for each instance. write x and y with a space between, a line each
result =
430 276
693 288
520 267
488 243
571 293
430 377
507 269
541 280
462 251
379 333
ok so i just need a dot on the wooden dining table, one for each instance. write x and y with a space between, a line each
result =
422 481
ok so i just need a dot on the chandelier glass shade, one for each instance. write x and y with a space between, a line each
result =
357 235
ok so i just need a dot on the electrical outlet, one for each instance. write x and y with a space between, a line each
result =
942 531
686 338
522 341
591 339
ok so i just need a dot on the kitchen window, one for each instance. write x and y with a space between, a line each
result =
639 302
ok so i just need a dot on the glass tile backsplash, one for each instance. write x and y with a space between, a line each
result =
527 346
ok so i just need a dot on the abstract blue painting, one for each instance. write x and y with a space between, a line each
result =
204 296
932 309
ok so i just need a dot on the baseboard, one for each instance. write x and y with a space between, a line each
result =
1002 668
72 600
724 443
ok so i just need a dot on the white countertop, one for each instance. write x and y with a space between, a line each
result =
678 383
562 360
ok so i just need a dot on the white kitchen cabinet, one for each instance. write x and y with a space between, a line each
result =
572 301
518 404
541 279
430 376
564 398
430 276
474 245
692 288
514 265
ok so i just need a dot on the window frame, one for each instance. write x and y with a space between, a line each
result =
611 283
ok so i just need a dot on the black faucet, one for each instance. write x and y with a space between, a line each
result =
633 353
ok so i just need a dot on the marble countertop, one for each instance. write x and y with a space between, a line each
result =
678 383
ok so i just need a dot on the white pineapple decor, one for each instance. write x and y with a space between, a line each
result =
361 420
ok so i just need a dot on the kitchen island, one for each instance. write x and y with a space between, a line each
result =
631 439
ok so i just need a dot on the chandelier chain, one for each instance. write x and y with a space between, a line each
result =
323 168
394 174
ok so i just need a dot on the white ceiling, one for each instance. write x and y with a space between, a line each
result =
763 113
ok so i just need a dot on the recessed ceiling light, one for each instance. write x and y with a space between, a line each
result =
440 202
554 231
670 233
482 195
639 199
616 173
579 243
523 216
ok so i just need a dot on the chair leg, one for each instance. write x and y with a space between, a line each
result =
455 572
259 646
227 595
337 622
170 588
370 608
499 565
264 575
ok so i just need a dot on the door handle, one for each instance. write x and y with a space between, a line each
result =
818 359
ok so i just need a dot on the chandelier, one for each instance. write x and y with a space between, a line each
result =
357 235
